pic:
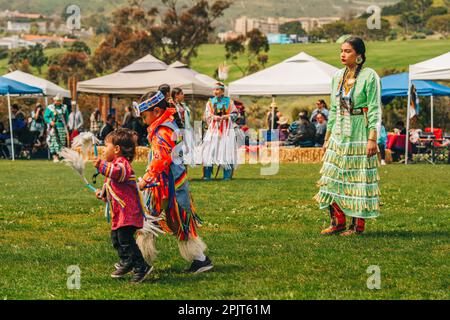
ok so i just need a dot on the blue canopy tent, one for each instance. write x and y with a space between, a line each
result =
396 85
10 87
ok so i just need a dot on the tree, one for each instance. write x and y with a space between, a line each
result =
251 48
70 64
174 34
80 46
37 57
293 27
335 30
440 24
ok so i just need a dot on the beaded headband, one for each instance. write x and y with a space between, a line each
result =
149 103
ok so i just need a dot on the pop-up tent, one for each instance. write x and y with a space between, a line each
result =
10 87
299 75
396 85
145 75
183 68
437 68
48 88
434 69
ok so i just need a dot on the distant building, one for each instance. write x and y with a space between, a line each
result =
278 38
25 27
272 25
18 15
45 40
15 42
229 35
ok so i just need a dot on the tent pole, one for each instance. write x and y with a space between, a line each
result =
273 115
13 157
432 114
408 122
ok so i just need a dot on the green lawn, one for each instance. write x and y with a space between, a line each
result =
380 55
262 232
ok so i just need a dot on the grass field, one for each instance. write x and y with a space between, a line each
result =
262 232
380 55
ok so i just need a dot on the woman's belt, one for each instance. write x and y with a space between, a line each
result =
356 112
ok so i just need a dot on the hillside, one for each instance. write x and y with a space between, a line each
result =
253 8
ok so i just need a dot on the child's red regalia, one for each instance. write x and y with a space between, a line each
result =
122 194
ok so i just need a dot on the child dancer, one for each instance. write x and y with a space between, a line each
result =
171 196
122 196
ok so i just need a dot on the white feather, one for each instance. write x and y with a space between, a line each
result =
85 141
74 160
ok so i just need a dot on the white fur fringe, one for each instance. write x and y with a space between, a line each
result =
192 248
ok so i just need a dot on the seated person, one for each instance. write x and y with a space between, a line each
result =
321 129
107 128
302 132
400 128
283 127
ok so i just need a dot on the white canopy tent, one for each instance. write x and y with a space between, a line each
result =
145 75
207 80
437 68
48 88
301 75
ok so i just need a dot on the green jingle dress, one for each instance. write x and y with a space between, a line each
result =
349 178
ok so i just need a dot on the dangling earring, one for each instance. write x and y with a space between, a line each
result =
359 60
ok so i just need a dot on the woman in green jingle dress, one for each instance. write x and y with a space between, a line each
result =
349 183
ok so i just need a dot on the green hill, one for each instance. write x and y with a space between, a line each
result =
252 8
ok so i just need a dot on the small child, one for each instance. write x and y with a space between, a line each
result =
171 198
122 197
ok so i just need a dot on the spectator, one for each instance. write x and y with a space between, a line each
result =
321 108
19 123
107 128
400 128
321 129
128 117
37 123
269 119
96 120
75 121
302 132
382 140
4 151
283 126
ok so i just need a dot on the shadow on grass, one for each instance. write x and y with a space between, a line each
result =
407 234
170 275
234 180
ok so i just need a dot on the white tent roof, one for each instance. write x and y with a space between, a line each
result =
145 75
49 88
299 75
207 80
147 63
434 69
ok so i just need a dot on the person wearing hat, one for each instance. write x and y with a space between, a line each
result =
76 121
283 127
56 116
220 141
